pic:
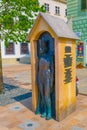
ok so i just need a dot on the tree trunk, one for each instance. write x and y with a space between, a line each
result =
1 75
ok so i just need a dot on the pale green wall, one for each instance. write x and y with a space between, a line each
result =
79 21
79 17
72 8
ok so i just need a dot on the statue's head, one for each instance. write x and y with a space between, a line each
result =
44 48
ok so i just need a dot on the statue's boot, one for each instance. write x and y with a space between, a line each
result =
43 115
43 111
49 116
37 111
38 106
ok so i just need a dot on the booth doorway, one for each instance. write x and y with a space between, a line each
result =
46 44
45 41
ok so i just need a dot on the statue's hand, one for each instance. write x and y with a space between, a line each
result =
51 85
51 89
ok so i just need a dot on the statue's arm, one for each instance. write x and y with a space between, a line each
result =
52 75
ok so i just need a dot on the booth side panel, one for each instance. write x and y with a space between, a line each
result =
65 78
33 69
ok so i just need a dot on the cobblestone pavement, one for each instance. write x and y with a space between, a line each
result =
19 114
17 83
18 75
13 93
82 75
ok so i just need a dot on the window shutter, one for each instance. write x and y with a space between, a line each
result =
83 4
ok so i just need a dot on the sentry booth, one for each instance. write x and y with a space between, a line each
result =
63 41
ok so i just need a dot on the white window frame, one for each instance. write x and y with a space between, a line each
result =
57 10
46 7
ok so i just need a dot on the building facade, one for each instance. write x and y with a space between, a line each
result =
77 11
15 53
55 7
20 52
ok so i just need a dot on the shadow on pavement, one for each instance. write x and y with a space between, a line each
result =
13 94
23 96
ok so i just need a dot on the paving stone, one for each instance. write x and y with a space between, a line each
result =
24 77
77 128
17 108
29 125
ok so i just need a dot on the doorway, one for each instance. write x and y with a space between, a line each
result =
45 48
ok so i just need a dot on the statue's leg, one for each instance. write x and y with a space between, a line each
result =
41 88
38 109
48 99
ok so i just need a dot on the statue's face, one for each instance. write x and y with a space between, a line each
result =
43 50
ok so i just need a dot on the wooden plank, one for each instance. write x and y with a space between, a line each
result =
33 68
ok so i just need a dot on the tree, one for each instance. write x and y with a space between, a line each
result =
16 18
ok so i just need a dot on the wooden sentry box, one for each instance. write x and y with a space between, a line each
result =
65 62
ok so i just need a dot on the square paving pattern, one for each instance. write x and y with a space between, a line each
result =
20 116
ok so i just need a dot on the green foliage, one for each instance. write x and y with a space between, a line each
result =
16 18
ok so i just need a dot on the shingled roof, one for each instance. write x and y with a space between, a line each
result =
58 25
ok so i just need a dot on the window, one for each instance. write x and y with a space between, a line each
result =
57 10
10 49
24 48
80 49
46 7
83 4
65 12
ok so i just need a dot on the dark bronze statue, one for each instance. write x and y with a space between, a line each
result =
45 75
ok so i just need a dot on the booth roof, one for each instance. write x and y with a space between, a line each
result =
58 25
